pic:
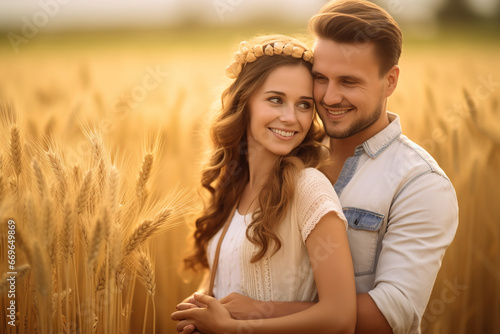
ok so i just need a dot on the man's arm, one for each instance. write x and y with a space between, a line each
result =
370 320
422 223
243 307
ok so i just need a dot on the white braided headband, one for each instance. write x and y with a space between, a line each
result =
249 54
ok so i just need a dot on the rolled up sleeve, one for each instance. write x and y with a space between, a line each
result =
422 223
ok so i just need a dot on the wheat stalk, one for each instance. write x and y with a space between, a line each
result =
2 182
68 240
139 236
58 298
58 169
143 177
13 185
163 216
49 228
470 105
40 266
98 162
147 278
40 179
16 150
29 209
2 188
42 281
146 272
76 176
20 272
101 279
99 166
84 193
116 242
114 184
97 237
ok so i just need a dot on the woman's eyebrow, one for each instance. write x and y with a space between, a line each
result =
275 92
283 94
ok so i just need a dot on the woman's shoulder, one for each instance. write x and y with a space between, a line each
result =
312 180
315 197
311 174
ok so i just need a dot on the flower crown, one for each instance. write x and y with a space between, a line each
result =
249 54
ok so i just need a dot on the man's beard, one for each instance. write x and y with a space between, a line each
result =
358 126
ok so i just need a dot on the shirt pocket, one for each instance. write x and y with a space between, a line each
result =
363 234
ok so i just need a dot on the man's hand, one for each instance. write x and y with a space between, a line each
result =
245 308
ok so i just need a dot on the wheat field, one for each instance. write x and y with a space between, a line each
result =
103 136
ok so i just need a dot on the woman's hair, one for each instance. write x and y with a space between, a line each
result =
360 21
226 173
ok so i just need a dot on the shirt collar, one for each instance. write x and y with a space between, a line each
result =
379 142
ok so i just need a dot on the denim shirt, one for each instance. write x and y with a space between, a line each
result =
402 214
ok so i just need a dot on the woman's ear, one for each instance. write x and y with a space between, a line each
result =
391 78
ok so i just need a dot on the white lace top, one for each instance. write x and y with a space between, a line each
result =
287 275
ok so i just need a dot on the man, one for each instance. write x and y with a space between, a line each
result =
401 207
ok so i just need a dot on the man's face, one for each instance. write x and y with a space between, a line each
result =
349 92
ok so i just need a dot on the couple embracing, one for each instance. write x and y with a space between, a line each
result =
307 233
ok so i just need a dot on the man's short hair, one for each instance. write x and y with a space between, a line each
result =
359 21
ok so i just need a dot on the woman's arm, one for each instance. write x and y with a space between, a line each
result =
335 311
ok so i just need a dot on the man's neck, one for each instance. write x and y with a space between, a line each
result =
341 149
338 155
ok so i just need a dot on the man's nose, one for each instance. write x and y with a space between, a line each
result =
332 95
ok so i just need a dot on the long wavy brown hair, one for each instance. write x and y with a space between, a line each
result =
227 173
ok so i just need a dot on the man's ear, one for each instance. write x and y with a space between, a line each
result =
391 78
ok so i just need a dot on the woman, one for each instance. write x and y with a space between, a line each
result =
282 227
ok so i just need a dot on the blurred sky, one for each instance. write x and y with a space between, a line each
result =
81 14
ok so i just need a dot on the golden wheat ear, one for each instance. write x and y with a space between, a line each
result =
143 177
146 272
16 150
139 236
59 172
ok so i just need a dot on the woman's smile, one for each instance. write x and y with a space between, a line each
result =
283 134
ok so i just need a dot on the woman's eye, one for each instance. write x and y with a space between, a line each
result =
304 105
275 99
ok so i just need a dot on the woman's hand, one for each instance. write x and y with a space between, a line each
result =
211 318
185 326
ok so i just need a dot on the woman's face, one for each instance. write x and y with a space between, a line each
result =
281 110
